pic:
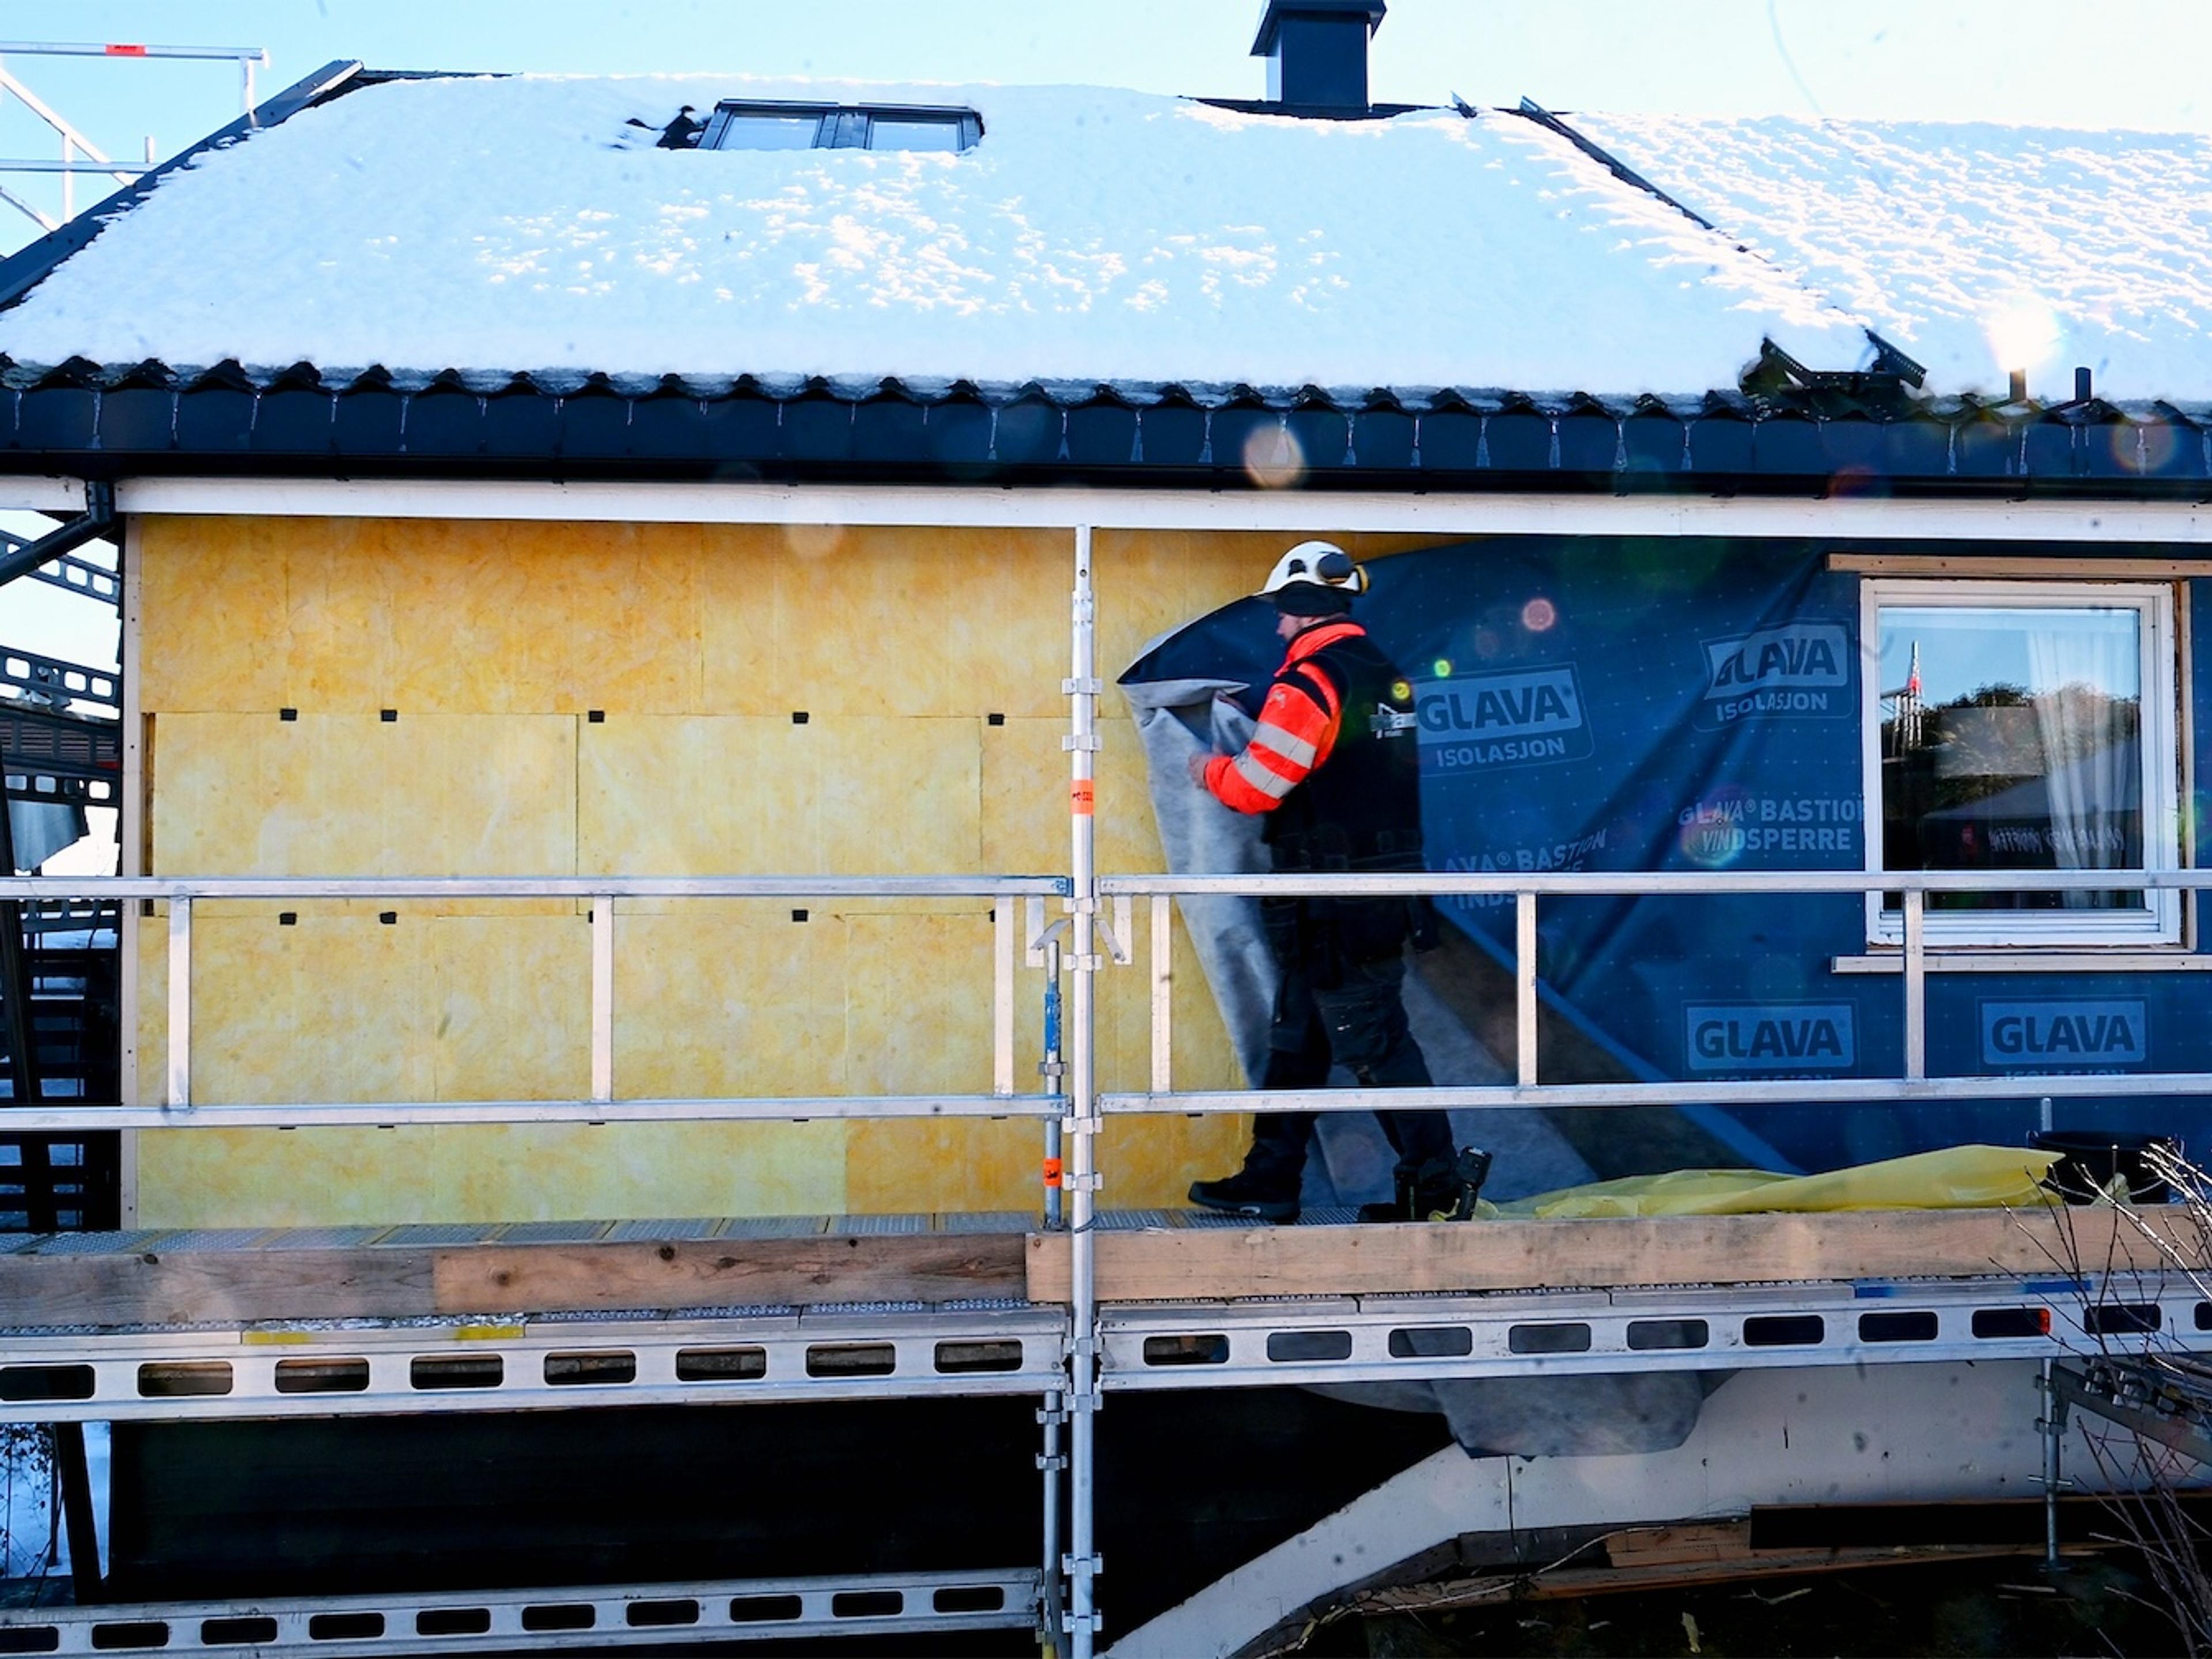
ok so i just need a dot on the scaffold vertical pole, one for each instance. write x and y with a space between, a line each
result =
180 1002
1052 1614
2052 1423
1916 986
1054 1070
1524 989
1085 959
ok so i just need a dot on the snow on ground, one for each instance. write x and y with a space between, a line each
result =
504 224
1978 249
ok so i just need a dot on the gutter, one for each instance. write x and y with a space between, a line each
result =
97 520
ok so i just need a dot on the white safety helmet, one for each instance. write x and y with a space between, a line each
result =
1324 564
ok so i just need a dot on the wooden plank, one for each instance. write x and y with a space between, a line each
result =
214 1287
1210 1264
730 1273
1690 1542
235 1286
1568 1584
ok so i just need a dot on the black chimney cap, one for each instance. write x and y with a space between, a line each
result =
1271 19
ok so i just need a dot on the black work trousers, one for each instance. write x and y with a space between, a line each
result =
1333 1005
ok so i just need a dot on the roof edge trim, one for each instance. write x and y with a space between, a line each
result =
1530 110
24 269
1889 359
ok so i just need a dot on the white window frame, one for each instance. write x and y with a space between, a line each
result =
2160 921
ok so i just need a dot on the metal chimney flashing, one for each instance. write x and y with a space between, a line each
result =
1316 52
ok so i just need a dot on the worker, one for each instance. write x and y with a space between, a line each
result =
1334 765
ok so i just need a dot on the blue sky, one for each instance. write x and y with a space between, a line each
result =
2069 62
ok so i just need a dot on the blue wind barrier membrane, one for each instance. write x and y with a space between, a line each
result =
1694 704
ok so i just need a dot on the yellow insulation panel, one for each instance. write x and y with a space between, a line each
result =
735 795
622 699
356 794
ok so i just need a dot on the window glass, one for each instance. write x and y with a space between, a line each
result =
770 132
2012 739
891 133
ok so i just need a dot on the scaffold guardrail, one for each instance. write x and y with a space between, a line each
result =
1525 889
603 894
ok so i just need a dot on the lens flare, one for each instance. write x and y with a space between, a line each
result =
2149 448
1712 827
2025 333
1442 666
1539 614
1273 459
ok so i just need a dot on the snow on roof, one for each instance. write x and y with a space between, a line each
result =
1978 249
504 224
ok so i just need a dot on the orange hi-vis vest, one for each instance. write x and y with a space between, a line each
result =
1335 760
1298 725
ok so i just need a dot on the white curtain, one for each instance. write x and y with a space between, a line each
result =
2092 760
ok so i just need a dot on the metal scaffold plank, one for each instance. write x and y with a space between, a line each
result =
1378 1339
347 1370
509 1621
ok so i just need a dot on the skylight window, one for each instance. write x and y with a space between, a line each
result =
740 125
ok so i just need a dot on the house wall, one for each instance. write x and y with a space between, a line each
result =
492 643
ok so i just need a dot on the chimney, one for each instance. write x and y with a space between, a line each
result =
1316 53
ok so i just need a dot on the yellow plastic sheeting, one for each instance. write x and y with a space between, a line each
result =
1955 1178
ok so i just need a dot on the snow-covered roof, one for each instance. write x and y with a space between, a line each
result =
495 225
519 224
1978 249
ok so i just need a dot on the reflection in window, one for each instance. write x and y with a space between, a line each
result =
769 132
2013 737
892 132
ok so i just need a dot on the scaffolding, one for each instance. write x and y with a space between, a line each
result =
1068 1351
80 156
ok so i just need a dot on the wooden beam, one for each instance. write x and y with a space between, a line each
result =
236 1286
148 1286
1209 1264
730 1273
1569 1584
213 1286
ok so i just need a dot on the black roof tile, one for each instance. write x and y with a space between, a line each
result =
81 416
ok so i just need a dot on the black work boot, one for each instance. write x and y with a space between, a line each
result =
1439 1190
1454 1201
1262 1194
1399 1206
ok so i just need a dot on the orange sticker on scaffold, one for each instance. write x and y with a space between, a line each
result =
1083 797
1052 1172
